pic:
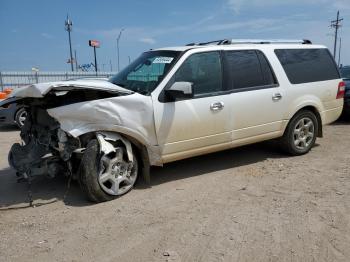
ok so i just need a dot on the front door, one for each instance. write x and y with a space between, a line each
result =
186 126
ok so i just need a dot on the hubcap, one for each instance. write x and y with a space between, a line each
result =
117 175
22 117
304 133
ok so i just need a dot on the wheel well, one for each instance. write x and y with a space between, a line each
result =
85 138
318 117
140 151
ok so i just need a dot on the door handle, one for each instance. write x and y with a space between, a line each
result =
276 97
217 106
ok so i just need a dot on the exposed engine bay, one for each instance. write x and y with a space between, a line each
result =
45 150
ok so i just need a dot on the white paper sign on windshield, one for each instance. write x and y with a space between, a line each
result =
163 60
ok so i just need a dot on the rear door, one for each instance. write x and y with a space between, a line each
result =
257 99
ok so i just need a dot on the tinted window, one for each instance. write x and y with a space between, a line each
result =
269 77
247 69
204 71
307 65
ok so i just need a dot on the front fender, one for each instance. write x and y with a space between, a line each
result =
130 115
153 151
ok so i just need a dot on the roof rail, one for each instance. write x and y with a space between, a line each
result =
252 41
216 42
270 41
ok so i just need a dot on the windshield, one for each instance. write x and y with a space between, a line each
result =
145 73
345 72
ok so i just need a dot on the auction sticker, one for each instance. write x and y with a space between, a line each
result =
163 60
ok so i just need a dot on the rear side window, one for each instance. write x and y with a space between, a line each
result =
247 69
307 65
269 77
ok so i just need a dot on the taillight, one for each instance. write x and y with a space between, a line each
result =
341 90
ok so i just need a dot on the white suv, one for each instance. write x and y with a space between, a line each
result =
174 103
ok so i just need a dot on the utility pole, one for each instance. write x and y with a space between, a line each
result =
68 27
339 52
76 60
118 39
110 64
336 24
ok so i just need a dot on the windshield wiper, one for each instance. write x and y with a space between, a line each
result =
117 84
146 93
125 90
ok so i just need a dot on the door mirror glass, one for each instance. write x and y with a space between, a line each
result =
180 90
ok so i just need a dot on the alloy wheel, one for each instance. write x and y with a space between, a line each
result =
117 175
304 133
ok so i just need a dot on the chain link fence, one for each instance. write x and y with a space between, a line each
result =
14 80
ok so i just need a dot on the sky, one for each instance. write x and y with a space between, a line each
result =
33 34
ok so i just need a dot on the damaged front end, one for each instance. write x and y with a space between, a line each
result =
45 149
83 129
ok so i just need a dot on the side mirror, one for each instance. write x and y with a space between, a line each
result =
180 90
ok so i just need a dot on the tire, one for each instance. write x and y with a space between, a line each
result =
300 134
93 168
20 117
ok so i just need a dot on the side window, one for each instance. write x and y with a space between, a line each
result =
204 71
269 77
307 65
247 69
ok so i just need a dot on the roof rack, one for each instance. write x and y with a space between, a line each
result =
216 42
253 41
270 41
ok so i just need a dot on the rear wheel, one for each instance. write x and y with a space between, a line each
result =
20 117
105 177
300 135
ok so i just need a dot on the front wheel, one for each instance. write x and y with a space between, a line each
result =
105 177
300 135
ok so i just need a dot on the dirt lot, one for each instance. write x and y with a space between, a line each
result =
246 204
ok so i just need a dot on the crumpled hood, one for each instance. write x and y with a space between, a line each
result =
41 89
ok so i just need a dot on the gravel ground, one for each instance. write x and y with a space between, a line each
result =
247 204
